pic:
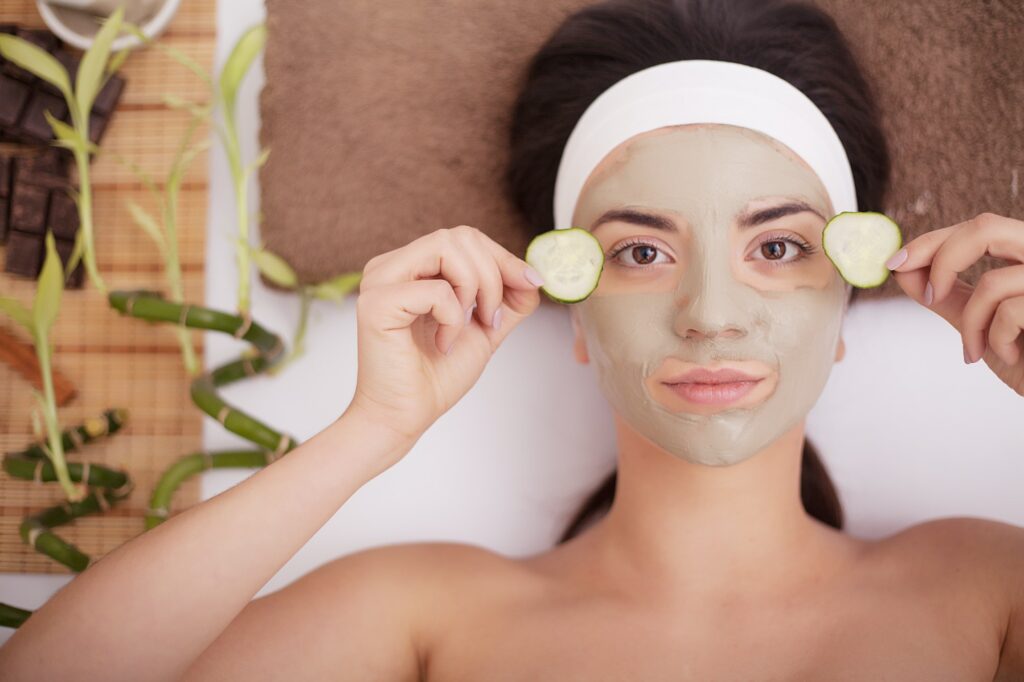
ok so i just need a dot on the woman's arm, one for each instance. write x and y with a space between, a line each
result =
152 606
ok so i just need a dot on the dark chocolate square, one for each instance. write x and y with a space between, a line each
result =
63 218
13 95
28 208
64 249
34 124
97 127
107 98
5 176
48 167
24 254
4 205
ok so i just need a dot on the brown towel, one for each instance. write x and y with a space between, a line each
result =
388 120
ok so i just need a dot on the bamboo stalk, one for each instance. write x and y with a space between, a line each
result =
42 471
12 616
35 529
74 438
190 465
150 305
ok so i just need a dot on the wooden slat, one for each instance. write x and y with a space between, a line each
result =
116 361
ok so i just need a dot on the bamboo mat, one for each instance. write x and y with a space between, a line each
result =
116 361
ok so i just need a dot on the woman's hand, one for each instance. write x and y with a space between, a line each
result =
415 303
990 316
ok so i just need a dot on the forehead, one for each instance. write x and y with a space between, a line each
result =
701 171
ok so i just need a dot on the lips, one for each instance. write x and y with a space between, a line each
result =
706 376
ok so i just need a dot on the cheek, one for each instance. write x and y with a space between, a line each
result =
803 324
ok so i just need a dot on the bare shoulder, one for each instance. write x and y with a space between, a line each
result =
965 542
981 560
371 614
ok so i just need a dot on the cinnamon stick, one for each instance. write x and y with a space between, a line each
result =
21 356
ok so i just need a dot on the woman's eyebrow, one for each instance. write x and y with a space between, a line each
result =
628 215
764 215
746 220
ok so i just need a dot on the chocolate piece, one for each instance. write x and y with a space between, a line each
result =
28 208
47 167
24 257
24 98
34 126
13 95
63 216
108 97
38 201
5 176
4 205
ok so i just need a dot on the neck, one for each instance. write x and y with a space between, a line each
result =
674 524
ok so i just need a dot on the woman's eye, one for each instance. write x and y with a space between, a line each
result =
638 254
780 250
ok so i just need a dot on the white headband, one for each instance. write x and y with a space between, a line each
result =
702 91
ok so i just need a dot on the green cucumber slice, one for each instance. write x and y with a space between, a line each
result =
569 260
859 243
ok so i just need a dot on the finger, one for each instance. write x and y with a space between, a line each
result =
992 288
491 286
968 242
396 306
519 277
922 248
433 255
950 308
1007 325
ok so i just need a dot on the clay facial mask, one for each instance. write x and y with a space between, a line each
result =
722 302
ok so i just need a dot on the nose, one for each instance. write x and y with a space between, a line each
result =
712 305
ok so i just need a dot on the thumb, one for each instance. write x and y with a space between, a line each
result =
950 308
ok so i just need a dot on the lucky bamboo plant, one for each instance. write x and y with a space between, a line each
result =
267 351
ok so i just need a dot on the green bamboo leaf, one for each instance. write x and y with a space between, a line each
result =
79 247
238 63
144 220
17 312
337 288
178 171
262 158
33 58
48 289
274 267
115 63
94 62
67 136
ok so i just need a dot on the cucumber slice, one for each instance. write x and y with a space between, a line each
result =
569 260
859 243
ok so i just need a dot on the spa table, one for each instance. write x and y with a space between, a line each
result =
902 424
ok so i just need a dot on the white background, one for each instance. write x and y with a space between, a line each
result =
908 431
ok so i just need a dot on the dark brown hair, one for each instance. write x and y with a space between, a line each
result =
605 42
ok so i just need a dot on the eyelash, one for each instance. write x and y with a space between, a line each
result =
805 248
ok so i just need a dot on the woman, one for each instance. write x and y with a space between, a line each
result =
706 566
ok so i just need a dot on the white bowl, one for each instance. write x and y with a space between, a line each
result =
79 28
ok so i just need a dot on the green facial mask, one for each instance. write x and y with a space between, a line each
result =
707 175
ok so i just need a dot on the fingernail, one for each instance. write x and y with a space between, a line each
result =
534 277
496 322
928 294
469 314
450 346
967 358
897 259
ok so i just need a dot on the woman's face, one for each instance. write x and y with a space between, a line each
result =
712 240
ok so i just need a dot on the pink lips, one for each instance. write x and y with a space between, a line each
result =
718 387
714 394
